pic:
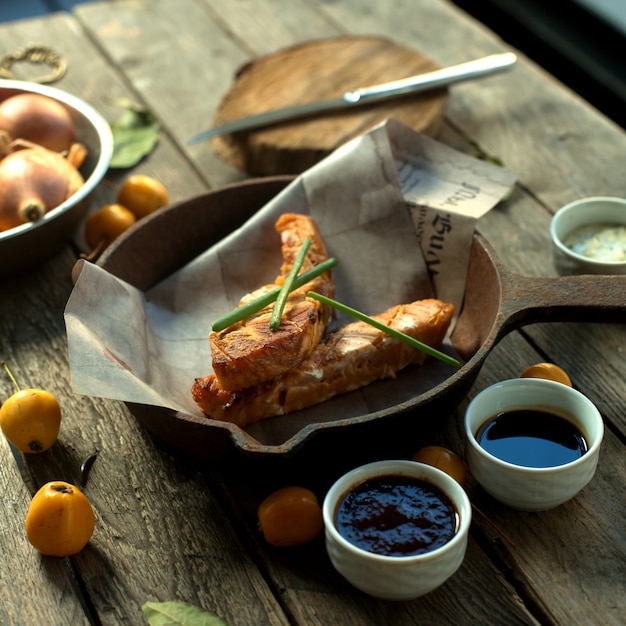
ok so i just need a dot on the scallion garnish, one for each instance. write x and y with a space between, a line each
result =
245 310
287 286
386 329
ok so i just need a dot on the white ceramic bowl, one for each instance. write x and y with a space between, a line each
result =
29 244
532 488
588 211
403 577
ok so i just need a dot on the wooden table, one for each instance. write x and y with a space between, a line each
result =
171 527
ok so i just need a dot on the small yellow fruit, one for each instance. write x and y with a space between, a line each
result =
106 224
60 520
142 195
31 419
443 459
547 371
290 517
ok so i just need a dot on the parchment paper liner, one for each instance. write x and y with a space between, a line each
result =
396 208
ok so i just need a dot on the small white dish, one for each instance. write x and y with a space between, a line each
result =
532 488
396 577
599 215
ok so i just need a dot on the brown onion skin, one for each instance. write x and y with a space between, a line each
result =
32 182
38 119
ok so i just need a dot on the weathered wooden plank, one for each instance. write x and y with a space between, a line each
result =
182 57
276 24
180 61
151 543
315 592
519 228
594 354
519 233
589 523
525 117
309 569
24 572
159 533
554 546
91 78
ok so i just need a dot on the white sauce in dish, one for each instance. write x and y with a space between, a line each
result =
600 242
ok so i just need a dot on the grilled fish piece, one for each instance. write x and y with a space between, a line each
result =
249 353
354 356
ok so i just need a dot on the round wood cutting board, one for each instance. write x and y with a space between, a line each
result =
320 70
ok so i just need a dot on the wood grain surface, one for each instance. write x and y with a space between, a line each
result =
317 71
172 527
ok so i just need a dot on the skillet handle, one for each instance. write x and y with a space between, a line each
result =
588 298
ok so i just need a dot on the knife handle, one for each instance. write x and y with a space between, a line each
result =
485 66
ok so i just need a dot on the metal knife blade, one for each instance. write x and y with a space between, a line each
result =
479 68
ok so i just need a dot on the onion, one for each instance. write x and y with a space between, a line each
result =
38 119
32 182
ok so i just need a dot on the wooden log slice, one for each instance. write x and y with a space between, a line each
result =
320 70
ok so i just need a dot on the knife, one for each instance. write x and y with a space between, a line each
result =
478 68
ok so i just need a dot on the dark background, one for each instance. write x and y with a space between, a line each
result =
581 42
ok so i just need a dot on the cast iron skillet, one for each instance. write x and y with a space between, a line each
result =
496 302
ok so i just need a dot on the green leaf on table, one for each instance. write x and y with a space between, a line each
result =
135 134
178 613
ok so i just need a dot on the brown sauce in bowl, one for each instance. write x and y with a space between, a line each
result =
396 515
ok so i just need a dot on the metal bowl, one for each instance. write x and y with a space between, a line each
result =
29 244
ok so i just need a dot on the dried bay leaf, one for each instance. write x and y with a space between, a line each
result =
135 135
173 613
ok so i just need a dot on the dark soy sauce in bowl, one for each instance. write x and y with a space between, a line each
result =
396 515
532 438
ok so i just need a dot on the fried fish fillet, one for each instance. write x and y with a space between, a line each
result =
249 353
354 356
